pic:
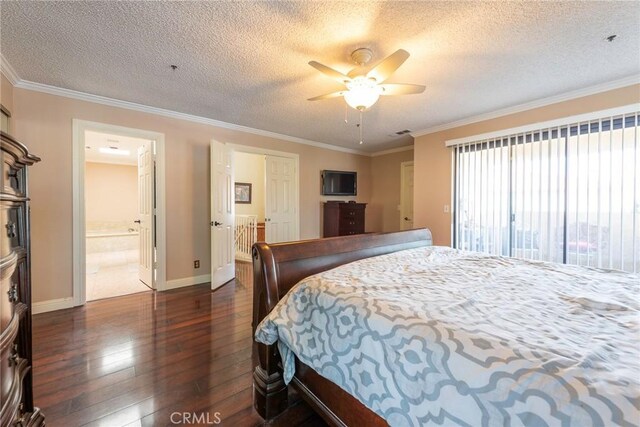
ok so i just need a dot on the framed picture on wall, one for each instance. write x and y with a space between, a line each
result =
243 192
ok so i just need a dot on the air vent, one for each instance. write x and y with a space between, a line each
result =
402 132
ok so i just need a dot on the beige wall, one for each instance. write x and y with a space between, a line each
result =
111 194
385 173
6 93
433 160
44 123
249 168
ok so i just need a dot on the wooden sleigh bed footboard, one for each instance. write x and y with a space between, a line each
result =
276 269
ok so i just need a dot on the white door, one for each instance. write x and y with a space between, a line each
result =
406 195
145 213
222 215
280 200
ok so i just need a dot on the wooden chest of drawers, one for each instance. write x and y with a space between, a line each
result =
343 219
16 392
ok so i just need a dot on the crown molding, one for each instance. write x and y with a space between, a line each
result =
112 102
8 71
392 150
16 81
550 124
567 96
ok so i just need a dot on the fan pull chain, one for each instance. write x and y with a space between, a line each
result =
346 113
360 126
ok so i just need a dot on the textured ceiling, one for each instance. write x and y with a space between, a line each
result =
246 62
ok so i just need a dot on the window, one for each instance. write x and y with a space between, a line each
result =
563 192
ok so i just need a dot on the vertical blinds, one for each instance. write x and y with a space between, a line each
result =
568 193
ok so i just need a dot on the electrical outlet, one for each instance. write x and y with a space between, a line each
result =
196 263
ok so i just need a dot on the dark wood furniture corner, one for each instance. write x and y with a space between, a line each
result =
16 390
343 219
276 269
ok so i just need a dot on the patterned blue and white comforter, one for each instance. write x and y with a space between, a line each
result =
436 336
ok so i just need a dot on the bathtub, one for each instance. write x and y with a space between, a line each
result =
110 239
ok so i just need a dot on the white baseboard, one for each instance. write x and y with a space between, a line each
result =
62 303
51 305
187 281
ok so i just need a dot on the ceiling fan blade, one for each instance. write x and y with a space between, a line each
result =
391 63
327 96
400 89
330 72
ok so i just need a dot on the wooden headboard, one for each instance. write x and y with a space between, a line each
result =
278 267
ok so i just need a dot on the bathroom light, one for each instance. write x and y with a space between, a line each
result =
363 93
114 150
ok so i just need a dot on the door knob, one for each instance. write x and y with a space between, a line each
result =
137 221
215 223
406 218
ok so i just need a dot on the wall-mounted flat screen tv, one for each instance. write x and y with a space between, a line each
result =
339 183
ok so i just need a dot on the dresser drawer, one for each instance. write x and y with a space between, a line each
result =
12 283
349 223
346 230
14 369
349 232
9 357
13 176
351 214
12 227
7 371
8 297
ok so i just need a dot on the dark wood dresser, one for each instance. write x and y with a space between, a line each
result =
16 392
343 219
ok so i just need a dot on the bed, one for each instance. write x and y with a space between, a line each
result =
385 329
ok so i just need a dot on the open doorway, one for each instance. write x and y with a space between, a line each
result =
119 236
249 186
117 179
266 207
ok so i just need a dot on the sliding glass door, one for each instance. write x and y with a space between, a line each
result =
568 193
482 209
538 171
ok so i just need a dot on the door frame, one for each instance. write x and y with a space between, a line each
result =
79 219
296 158
402 173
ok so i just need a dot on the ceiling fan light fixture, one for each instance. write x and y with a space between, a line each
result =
363 90
362 93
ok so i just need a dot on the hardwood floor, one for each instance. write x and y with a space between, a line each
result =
146 359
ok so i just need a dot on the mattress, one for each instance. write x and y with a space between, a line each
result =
437 336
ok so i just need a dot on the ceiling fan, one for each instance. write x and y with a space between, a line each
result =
364 88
